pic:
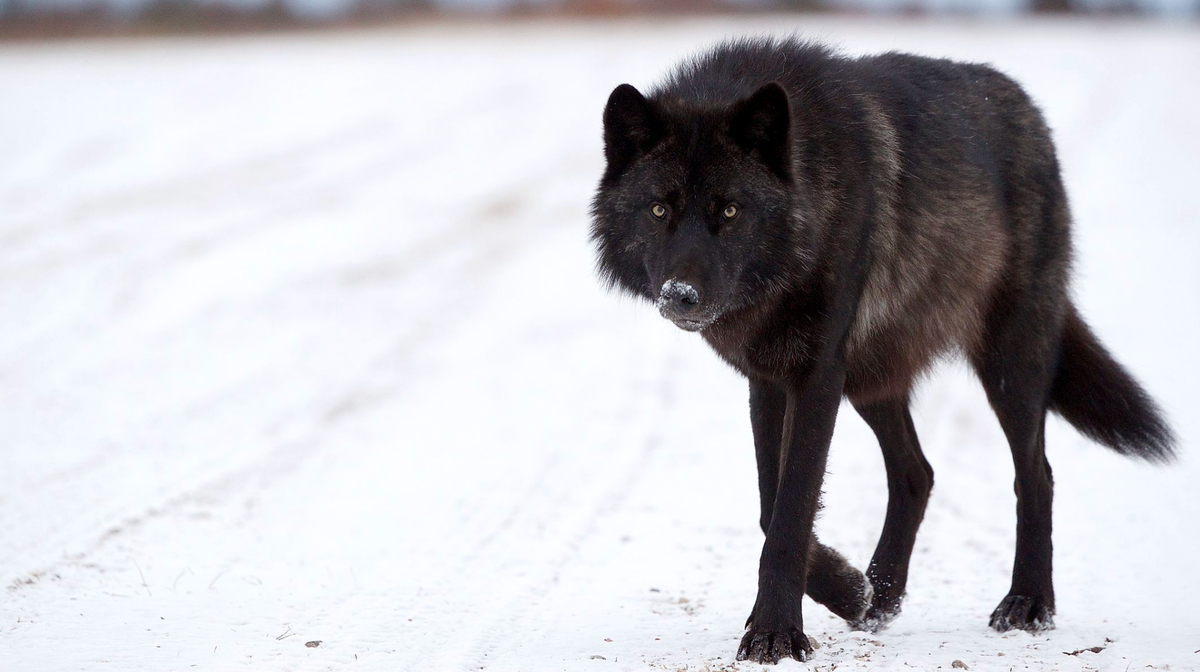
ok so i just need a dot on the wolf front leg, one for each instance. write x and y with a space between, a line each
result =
775 629
832 580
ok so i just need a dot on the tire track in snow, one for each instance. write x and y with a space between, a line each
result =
549 504
621 483
494 248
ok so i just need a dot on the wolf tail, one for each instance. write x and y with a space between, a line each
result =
1099 397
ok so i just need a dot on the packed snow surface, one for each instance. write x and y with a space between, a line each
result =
304 365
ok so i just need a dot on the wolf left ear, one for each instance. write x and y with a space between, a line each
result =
632 126
761 125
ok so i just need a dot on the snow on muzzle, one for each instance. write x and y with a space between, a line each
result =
679 302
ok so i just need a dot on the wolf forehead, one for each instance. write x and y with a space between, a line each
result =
665 141
693 154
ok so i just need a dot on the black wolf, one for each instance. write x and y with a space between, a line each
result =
831 226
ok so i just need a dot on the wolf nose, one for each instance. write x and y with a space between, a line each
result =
678 297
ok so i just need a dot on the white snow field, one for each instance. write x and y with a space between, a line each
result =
302 343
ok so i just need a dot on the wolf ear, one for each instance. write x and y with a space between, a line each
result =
761 124
631 127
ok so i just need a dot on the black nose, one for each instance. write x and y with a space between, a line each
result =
678 297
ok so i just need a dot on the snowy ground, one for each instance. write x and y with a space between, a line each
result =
302 343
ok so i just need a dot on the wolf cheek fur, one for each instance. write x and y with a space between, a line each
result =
832 226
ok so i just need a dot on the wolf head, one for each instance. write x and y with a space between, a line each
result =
696 210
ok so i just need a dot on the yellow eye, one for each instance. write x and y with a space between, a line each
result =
730 211
658 210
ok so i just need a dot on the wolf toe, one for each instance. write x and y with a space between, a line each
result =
1023 612
768 648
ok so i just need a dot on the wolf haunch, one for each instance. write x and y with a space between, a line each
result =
831 226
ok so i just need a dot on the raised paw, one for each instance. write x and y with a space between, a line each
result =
882 608
1023 612
878 617
768 648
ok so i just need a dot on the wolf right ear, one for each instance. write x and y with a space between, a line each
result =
632 126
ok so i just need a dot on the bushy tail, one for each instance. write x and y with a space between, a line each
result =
1096 395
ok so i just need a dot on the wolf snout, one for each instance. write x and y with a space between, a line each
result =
678 299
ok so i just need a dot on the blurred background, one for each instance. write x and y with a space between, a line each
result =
34 18
304 363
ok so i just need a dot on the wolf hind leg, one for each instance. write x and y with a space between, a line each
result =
910 480
1016 364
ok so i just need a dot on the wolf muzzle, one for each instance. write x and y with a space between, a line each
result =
679 302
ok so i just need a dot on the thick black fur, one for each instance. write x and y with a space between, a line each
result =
831 226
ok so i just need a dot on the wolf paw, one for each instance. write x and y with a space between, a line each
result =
1023 612
768 648
881 610
877 618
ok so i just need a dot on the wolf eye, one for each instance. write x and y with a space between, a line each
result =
730 211
658 210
